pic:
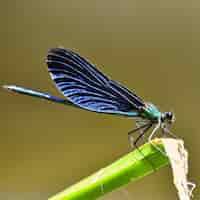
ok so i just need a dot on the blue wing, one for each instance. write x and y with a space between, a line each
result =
86 87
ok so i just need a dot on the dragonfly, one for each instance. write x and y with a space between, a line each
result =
85 87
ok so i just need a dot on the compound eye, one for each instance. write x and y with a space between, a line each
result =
169 115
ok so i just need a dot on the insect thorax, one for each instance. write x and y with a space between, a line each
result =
151 112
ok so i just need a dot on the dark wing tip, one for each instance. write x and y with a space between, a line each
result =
59 50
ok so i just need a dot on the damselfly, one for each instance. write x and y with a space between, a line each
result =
84 86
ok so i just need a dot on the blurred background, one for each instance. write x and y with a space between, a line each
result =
152 47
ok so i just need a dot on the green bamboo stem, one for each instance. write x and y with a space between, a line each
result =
130 167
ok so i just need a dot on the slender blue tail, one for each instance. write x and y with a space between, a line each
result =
34 93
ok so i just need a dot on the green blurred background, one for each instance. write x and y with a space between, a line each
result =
152 47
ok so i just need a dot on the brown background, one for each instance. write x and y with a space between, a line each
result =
152 47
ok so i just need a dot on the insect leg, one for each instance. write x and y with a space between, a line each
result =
151 136
138 128
138 138
142 133
130 133
154 130
166 130
140 123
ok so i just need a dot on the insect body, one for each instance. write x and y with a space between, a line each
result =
84 86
